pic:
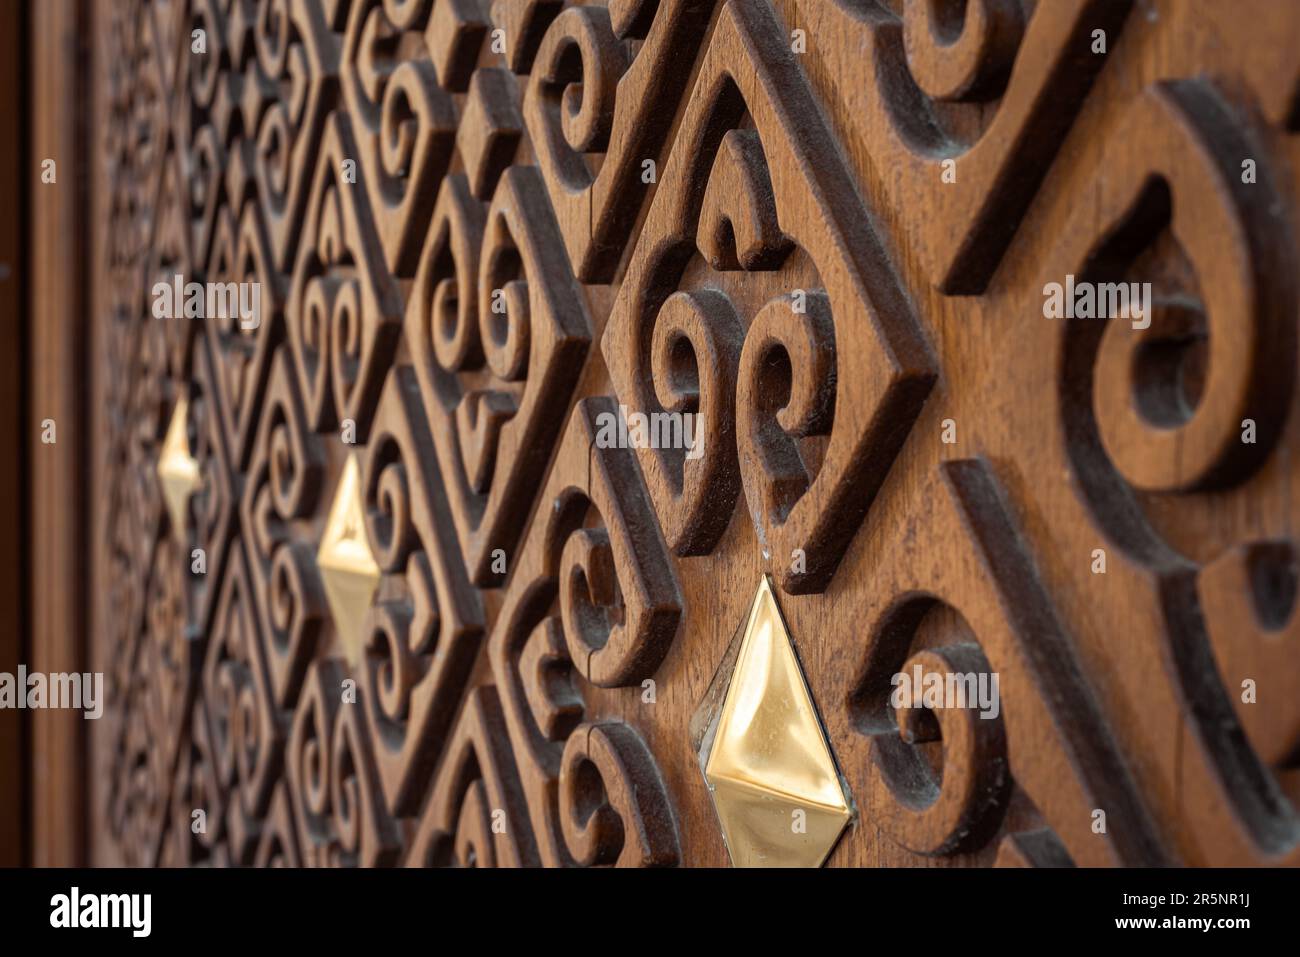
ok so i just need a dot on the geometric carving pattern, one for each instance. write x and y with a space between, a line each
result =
482 230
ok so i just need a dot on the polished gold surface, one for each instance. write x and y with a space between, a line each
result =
774 782
347 566
178 471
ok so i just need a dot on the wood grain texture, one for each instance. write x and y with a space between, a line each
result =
824 228
57 358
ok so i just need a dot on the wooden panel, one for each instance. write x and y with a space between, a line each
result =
58 352
836 233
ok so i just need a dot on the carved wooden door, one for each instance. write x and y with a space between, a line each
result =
536 432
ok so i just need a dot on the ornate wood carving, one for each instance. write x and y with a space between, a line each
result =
483 230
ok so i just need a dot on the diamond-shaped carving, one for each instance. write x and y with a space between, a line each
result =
769 767
492 427
490 130
177 468
402 160
454 35
291 116
344 309
811 506
347 565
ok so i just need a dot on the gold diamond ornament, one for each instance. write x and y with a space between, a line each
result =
178 470
774 782
347 565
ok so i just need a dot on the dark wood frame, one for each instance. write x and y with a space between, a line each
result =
13 416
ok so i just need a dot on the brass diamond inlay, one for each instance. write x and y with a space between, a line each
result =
347 565
774 782
178 471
